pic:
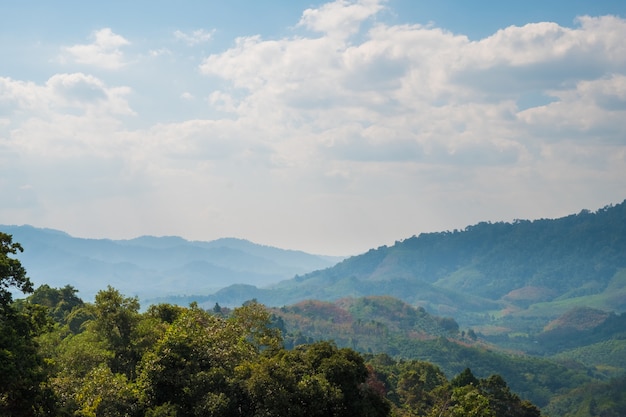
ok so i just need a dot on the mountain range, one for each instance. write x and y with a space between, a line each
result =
150 267
494 277
490 276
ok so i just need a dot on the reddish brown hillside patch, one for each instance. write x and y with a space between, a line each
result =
322 310
529 294
579 318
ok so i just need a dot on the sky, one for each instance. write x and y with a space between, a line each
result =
329 127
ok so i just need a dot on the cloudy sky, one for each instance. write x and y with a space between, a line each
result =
327 127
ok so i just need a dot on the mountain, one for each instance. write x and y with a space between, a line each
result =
151 266
497 277
504 280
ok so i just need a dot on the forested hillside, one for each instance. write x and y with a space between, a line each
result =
517 275
519 264
387 325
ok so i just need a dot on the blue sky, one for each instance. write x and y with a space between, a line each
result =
331 127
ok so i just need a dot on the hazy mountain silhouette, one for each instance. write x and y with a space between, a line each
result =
151 266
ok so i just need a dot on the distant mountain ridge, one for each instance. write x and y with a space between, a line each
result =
542 268
150 266
510 272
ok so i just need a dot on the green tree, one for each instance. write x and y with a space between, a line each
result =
503 401
416 382
254 322
190 368
59 301
464 378
23 372
283 385
468 401
105 394
312 380
116 318
12 273
166 313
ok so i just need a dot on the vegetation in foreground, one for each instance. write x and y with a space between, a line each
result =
108 359
61 356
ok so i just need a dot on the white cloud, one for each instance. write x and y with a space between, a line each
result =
104 52
194 37
420 99
159 52
592 111
84 93
543 56
340 18
352 129
187 96
68 116
428 88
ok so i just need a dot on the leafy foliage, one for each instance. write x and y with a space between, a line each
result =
173 361
177 361
12 273
607 399
22 369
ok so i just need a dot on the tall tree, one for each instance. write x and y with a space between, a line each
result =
190 368
12 273
59 301
311 380
116 320
22 370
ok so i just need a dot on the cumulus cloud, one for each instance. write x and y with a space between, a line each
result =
70 115
434 108
592 111
544 56
104 52
428 91
340 18
77 90
350 115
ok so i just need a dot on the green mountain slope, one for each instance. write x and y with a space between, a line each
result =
494 275
564 258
